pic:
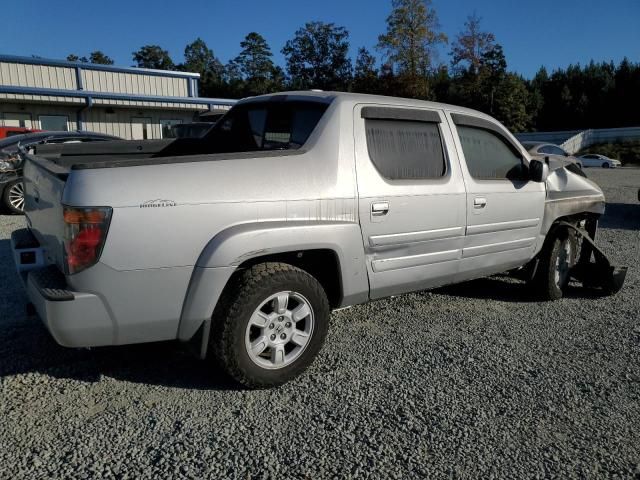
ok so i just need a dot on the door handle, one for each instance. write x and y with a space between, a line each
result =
479 202
379 208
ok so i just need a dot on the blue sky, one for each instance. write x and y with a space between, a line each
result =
553 33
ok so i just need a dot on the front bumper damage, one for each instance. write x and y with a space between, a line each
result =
599 273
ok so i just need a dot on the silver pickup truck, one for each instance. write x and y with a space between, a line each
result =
293 205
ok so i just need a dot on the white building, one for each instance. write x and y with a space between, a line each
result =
132 103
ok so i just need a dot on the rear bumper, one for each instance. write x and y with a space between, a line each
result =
74 319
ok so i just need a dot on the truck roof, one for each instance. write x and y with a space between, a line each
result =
355 98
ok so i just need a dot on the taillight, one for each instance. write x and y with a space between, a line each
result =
85 230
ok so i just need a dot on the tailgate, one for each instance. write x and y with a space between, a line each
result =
44 184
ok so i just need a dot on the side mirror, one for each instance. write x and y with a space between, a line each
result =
538 171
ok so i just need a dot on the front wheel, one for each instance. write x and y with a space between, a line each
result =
605 165
13 196
270 324
557 258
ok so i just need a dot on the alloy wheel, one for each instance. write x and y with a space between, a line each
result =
16 196
279 330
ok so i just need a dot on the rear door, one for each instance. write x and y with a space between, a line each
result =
411 198
504 208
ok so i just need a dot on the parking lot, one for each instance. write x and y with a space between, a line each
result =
473 380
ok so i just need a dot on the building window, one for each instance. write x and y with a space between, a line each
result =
405 150
57 123
22 120
166 130
141 128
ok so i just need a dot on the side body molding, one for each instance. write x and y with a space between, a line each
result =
237 244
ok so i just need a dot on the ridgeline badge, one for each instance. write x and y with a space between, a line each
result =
158 203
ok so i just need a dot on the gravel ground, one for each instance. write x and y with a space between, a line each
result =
474 380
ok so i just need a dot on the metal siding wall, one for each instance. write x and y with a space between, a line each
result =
135 84
119 122
37 76
40 98
36 110
96 118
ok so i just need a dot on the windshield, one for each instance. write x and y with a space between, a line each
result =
274 125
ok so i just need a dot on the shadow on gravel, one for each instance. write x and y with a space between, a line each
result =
26 347
29 348
505 289
623 216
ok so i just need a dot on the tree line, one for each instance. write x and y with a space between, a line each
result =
476 76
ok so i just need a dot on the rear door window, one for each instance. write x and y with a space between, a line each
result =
405 150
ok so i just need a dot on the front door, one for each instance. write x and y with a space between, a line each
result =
504 208
411 198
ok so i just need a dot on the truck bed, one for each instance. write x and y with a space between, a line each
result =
60 159
69 154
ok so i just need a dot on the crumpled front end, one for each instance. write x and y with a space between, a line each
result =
569 195
576 203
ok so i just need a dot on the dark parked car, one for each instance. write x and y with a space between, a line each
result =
11 186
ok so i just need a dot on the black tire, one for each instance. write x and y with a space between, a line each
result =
246 292
546 283
605 165
9 196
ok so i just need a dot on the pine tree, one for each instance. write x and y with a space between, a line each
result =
199 58
153 56
409 44
318 57
470 46
256 66
365 78
100 58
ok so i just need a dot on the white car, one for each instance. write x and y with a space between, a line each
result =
595 160
542 149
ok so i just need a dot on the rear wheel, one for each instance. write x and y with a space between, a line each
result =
270 324
13 196
557 258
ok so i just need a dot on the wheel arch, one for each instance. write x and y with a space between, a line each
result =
303 244
564 206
